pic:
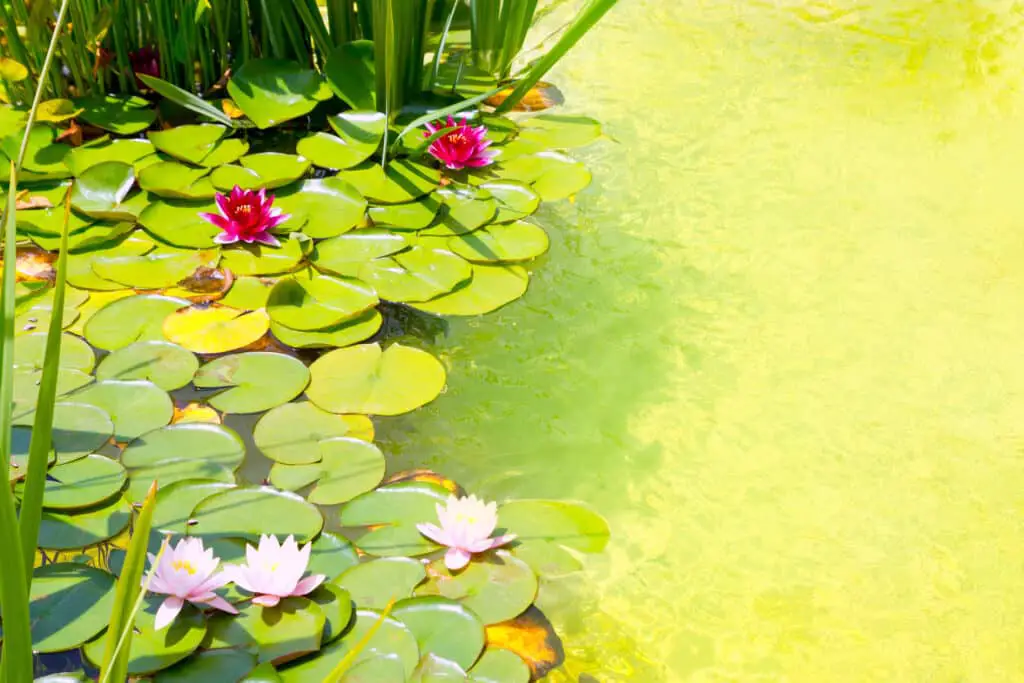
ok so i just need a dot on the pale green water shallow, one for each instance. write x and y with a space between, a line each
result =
779 343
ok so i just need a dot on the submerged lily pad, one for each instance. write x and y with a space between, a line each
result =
124 115
253 382
126 151
443 627
136 406
82 483
215 330
165 364
125 321
291 433
569 524
187 441
418 274
346 254
402 181
491 288
389 516
345 333
249 512
293 628
60 530
271 91
177 222
348 468
374 584
188 143
153 650
323 207
496 586
305 302
102 189
369 380
70 603
501 243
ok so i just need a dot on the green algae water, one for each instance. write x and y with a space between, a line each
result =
779 343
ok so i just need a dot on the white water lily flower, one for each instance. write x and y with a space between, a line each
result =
274 570
466 527
186 573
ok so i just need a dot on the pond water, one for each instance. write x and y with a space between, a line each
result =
777 343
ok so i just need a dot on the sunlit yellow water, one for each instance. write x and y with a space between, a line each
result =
779 343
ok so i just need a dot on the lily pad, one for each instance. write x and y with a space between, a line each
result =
332 555
491 288
361 129
226 177
70 604
515 200
390 638
351 74
271 91
293 628
188 441
324 207
83 483
253 382
552 175
499 666
27 381
560 131
291 433
44 157
126 151
252 259
166 365
188 143
75 353
249 512
368 380
224 152
389 516
81 274
168 472
336 605
346 254
434 669
60 530
346 333
411 216
569 524
443 627
276 169
348 468
135 406
78 429
305 302
175 502
419 274
374 584
502 243
215 330
50 222
402 181
548 560
162 267
176 180
210 665
330 151
248 293
153 650
124 115
177 222
126 321
465 210
102 189
95 235
496 586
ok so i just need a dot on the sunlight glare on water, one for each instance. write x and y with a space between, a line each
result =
779 343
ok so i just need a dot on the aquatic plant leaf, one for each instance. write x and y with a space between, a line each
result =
376 583
85 157
92 236
348 468
410 216
380 669
168 472
162 267
249 512
418 274
175 502
314 302
323 207
291 433
560 131
330 151
548 560
125 321
501 243
135 406
390 515
81 274
492 287
434 669
569 524
225 178
187 441
253 382
515 200
215 330
82 483
176 180
275 169
391 638
101 191
253 259
210 665
166 365
248 293
346 254
332 555
188 143
351 74
345 333
272 91
75 353
402 181
62 530
369 380
465 209
177 222
44 157
496 586
225 151
442 627
27 381
293 628
361 129
532 638
153 650
78 429
124 115
552 175
499 666
50 222
70 603
337 607
184 98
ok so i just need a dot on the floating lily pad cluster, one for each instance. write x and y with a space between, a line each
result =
158 314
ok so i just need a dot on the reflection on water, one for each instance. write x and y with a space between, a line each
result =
778 343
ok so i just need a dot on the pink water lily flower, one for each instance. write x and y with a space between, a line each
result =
466 527
274 571
464 147
246 216
186 573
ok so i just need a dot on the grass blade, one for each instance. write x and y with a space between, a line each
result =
42 426
186 99
585 21
445 111
128 596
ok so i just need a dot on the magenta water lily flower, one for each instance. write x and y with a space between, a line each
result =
274 570
246 216
186 574
466 527
464 147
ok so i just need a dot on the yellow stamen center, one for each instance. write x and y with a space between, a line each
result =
180 565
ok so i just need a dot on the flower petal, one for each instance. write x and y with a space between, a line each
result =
225 238
434 533
266 600
309 584
220 603
456 558
267 239
169 609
